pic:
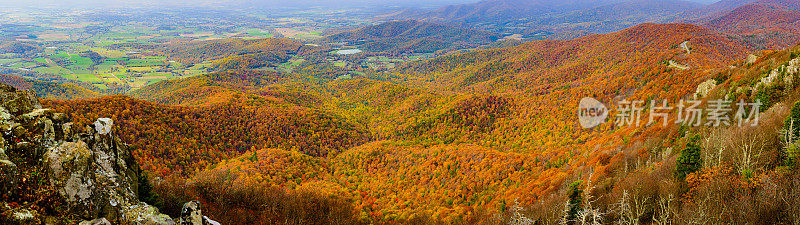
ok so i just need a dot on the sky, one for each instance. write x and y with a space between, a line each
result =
238 3
225 3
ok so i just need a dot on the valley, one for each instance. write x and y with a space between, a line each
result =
468 113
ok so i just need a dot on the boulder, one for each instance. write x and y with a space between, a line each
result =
192 214
101 221
19 216
4 114
103 126
19 102
145 214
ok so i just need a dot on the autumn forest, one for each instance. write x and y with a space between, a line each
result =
450 114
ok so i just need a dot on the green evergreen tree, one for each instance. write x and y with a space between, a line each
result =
575 201
792 126
146 193
794 116
690 160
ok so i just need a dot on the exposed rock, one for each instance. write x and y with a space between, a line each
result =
18 102
145 214
8 172
101 221
4 114
8 176
103 126
751 59
704 88
92 170
192 214
99 177
20 215
69 169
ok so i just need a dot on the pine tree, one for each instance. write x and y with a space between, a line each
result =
146 193
575 201
690 160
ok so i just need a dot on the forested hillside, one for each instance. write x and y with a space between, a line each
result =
49 90
173 140
495 123
410 36
555 19
290 131
765 24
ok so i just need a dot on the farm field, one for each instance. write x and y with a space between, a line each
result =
102 50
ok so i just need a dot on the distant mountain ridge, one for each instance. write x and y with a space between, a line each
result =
410 36
539 60
50 90
709 12
771 24
507 9
537 19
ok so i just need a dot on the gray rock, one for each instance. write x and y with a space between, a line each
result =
103 125
36 113
69 168
101 221
211 221
145 214
67 132
93 170
192 214
4 114
8 176
3 155
14 216
19 102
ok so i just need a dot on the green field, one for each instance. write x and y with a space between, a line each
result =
291 64
197 69
54 69
146 62
108 53
7 61
258 33
23 65
63 50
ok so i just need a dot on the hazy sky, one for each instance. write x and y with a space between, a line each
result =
224 3
235 3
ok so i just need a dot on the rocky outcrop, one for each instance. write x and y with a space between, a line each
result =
192 214
101 221
90 172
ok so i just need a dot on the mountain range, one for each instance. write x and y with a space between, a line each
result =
481 133
568 19
412 37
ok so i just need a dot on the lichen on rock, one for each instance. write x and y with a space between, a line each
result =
92 171
192 214
103 125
